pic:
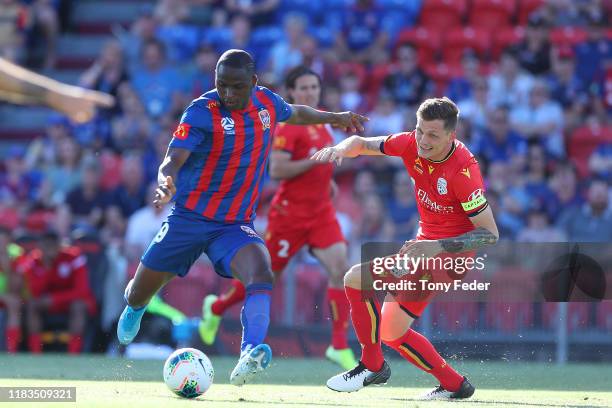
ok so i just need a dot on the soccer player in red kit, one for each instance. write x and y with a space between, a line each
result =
454 218
301 214
57 279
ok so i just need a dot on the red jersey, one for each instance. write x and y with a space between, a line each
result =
447 192
309 192
65 280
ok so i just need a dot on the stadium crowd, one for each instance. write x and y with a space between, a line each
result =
532 79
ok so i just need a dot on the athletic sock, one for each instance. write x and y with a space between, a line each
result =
234 295
340 312
13 338
415 348
35 343
75 344
255 314
365 313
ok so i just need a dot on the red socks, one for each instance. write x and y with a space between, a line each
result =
13 338
35 343
366 322
415 348
236 294
75 344
340 311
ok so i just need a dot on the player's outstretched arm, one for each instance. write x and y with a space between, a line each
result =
21 86
305 115
351 147
167 173
282 167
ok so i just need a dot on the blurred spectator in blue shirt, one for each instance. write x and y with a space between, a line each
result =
158 85
538 229
259 12
600 162
593 54
287 53
87 202
498 141
130 130
462 87
509 85
202 73
566 87
408 84
143 30
477 107
130 195
564 184
401 206
533 52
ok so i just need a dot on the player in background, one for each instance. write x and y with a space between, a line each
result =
57 279
454 218
217 157
302 213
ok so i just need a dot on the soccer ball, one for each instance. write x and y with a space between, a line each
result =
188 373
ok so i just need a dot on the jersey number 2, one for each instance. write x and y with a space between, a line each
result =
284 251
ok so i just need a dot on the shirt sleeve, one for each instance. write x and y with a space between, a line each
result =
192 128
284 139
468 187
282 108
397 144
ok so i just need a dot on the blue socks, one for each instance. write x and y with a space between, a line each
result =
255 315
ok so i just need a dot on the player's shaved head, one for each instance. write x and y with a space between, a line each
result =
238 59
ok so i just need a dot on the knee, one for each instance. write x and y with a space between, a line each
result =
352 278
263 274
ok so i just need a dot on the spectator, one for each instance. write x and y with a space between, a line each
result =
362 38
373 225
536 179
10 289
130 195
58 282
107 73
156 84
17 182
287 53
351 97
592 54
171 12
565 85
591 222
13 21
143 225
156 151
509 85
534 51
202 75
476 108
538 229
316 59
461 87
64 175
563 183
409 85
142 31
498 142
131 130
386 118
260 12
402 206
541 119
600 162
240 27
88 202
45 20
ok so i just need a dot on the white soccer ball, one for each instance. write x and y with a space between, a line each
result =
188 373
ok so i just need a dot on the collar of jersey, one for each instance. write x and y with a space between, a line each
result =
452 150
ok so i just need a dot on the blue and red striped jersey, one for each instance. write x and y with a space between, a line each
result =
222 178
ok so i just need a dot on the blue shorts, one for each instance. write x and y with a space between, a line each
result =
185 235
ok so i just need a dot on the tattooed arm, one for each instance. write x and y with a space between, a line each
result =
485 234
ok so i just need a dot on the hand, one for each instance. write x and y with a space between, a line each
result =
349 121
79 104
329 155
425 248
164 192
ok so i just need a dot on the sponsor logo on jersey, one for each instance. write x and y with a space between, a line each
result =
432 205
475 200
442 186
418 166
466 172
264 116
182 131
250 231
212 104
279 142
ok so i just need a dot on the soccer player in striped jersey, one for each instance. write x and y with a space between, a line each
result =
213 169
455 220
302 214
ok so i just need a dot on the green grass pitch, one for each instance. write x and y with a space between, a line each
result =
116 382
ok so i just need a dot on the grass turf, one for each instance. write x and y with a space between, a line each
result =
117 382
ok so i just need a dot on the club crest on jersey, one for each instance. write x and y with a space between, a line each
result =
418 166
228 125
264 116
442 186
250 231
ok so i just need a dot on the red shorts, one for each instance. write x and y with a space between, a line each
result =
441 270
286 235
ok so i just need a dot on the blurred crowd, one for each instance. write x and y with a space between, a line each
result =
534 87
